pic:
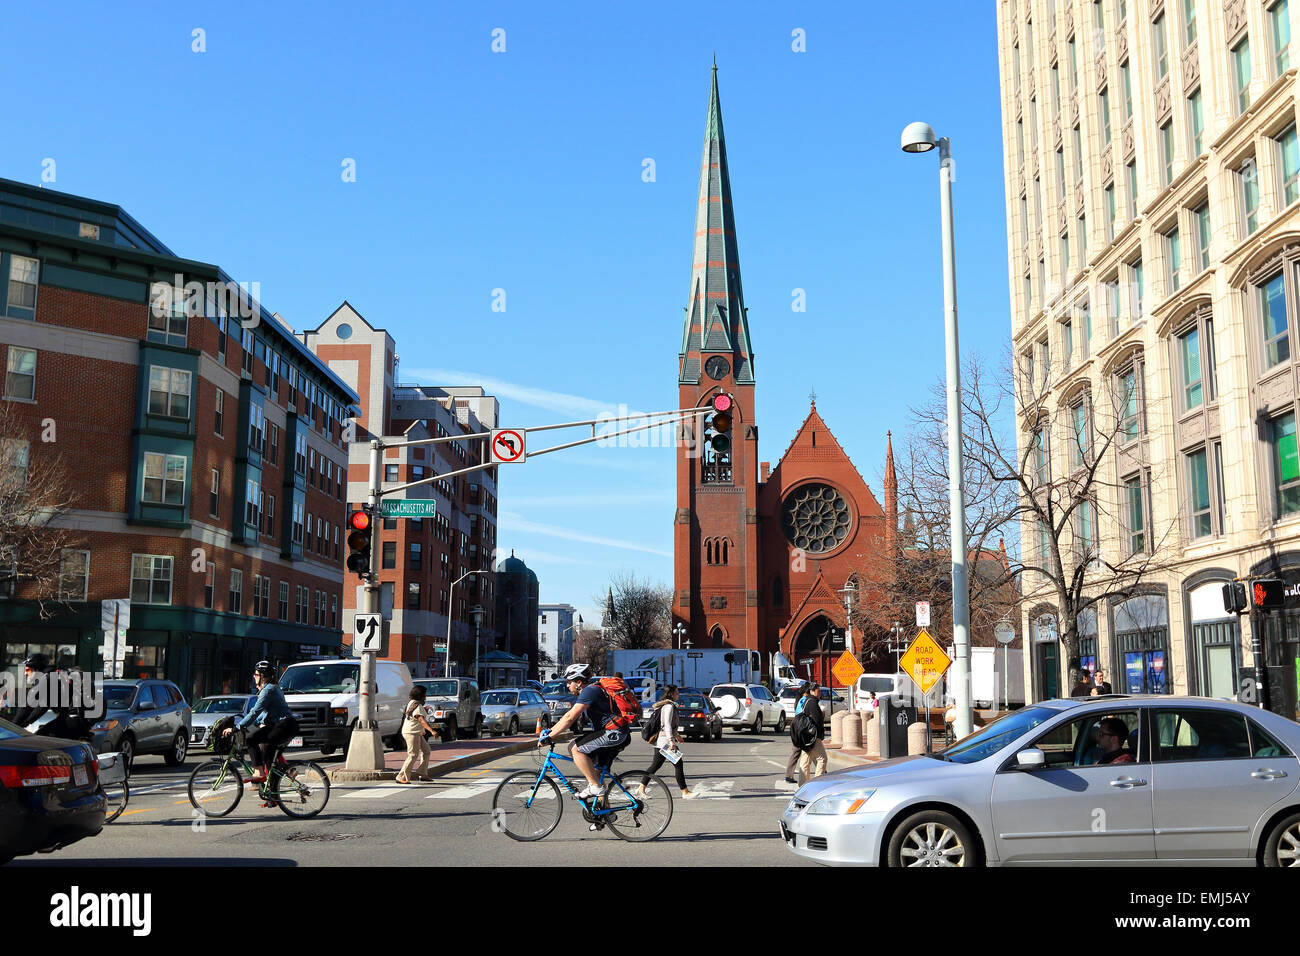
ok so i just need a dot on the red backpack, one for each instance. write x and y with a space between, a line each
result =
625 709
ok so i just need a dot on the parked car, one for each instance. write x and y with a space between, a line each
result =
453 706
1203 781
208 710
748 706
49 793
898 687
697 716
558 705
144 717
508 710
832 702
323 696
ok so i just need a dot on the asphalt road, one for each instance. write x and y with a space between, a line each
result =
448 822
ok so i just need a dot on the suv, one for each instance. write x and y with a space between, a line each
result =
453 706
748 705
144 717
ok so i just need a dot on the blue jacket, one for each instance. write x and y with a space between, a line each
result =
270 708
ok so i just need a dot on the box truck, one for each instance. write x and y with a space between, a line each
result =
997 678
686 667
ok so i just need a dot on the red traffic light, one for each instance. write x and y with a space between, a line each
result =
722 402
359 521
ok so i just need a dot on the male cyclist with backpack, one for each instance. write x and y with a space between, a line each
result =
609 730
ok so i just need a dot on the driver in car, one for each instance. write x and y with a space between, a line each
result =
1112 733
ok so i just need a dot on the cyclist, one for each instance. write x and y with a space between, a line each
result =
593 702
276 724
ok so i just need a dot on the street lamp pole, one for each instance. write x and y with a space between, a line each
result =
920 138
451 614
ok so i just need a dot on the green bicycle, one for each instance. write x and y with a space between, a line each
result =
527 805
298 787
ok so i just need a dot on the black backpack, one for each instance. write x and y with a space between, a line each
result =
650 728
218 742
803 731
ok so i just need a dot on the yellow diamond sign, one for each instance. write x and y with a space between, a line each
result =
925 662
847 669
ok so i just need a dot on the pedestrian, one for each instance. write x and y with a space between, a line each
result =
1084 686
792 762
668 740
414 727
812 763
874 702
1100 685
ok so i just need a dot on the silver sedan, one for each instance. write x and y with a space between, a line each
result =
1129 780
511 710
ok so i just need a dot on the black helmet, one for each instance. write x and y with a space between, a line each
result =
37 662
266 669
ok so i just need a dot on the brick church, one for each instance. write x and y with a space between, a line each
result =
762 554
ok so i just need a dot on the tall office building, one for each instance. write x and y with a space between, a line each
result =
1152 174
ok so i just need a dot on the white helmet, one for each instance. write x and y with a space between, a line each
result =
577 672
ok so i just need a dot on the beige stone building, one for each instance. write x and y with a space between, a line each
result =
1152 173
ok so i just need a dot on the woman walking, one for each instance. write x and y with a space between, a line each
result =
668 740
414 726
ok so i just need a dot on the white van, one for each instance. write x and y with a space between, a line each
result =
323 696
895 686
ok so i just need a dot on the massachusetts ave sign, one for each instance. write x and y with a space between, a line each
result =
924 662
407 507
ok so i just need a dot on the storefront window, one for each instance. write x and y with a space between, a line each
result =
1142 645
1216 642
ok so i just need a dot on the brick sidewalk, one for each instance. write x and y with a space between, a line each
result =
443 758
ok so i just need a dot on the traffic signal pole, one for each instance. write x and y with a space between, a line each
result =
366 749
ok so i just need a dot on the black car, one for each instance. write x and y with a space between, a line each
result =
49 793
697 716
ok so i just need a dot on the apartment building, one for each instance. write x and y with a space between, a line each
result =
203 444
555 626
433 571
1152 173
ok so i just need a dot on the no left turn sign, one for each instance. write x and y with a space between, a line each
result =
507 446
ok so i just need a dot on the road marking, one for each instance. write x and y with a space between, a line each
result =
374 793
718 790
775 763
465 791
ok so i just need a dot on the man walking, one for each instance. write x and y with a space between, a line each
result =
792 762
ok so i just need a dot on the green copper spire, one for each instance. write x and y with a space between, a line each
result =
715 317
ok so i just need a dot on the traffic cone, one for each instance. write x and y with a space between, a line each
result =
538 729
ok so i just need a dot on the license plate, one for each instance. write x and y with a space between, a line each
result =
681 730
295 742
80 776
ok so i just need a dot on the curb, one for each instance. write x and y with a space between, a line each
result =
442 768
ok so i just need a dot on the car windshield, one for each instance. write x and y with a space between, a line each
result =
881 685
995 735
321 679
438 688
118 697
500 699
9 731
553 687
791 693
221 705
691 700
727 690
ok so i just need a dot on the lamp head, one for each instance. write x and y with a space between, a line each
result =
918 138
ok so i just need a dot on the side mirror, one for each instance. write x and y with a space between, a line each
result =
146 705
1031 759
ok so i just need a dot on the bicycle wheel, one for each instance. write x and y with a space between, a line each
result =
302 790
117 794
215 787
647 816
525 807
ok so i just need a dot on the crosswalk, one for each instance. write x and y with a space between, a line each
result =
702 789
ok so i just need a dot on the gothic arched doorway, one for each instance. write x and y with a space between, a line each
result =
820 642
716 637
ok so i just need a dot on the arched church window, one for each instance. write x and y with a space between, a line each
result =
816 518
724 551
716 636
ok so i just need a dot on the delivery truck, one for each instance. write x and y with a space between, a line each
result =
687 667
997 678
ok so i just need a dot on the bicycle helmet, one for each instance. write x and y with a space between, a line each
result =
266 670
577 672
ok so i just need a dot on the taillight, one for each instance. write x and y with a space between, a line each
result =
749 701
16 777
697 714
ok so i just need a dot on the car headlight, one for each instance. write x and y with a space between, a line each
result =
833 804
105 725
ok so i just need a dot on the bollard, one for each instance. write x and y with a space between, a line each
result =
871 734
916 737
851 731
837 729
865 717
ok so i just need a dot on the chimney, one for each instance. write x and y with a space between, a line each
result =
766 469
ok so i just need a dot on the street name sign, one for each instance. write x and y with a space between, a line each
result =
847 670
507 446
408 507
924 662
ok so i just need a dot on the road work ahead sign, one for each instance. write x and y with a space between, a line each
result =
924 662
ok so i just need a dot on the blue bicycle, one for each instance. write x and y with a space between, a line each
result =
636 806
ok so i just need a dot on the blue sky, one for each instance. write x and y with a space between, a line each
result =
522 171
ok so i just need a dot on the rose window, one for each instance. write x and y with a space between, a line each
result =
816 518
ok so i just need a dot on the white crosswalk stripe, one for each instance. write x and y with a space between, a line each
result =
465 791
374 793
714 790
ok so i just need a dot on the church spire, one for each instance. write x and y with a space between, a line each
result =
715 316
891 495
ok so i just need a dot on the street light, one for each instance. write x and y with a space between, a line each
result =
476 612
920 138
849 591
679 631
451 613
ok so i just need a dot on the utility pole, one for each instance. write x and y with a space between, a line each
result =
366 749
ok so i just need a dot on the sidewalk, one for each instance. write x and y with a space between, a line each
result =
443 758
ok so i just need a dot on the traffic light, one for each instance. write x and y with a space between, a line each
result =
1267 593
718 424
360 526
1234 598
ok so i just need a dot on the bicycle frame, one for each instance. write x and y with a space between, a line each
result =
589 803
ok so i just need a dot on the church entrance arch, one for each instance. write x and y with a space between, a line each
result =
821 642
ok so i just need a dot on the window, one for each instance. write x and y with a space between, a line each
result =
1200 734
74 575
1189 350
1015 63
274 443
1130 409
413 595
1104 106
415 556
1056 90
1201 214
256 428
1281 30
1241 74
1067 341
297 523
1060 173
1167 151
268 516
257 594
1110 213
390 473
1085 322
14 458
1044 360
214 493
1248 184
310 538
169 392
1074 63
1045 545
209 586
236 591
1134 513
1099 19
218 422
284 601
1277 344
1065 257
252 512
1198 475
1138 289
1126 88
1196 122
1079 428
1161 48
1131 177
1289 166
151 579
265 610
1076 744
1112 298
20 373
320 538
167 316
1189 22
300 454
164 479
23 274
1286 465
390 554
1085 529
1042 459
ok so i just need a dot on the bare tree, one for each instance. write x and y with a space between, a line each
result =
590 646
638 614
36 491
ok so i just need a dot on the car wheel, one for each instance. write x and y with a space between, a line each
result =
127 748
1283 846
932 838
780 722
175 756
708 733
758 723
478 727
513 730
453 732
326 751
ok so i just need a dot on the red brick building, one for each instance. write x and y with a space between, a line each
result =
762 554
